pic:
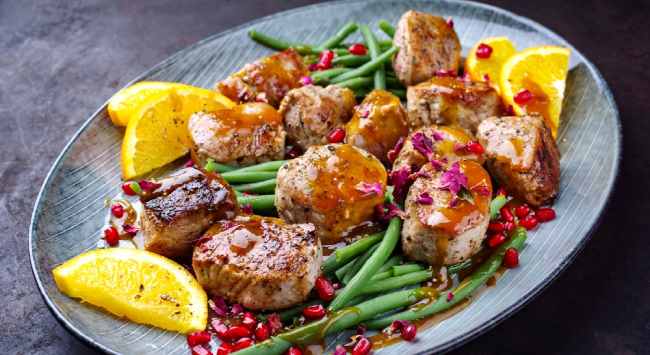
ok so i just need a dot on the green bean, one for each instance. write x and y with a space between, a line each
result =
278 44
266 166
350 60
262 187
394 260
257 202
325 75
496 204
398 270
373 48
356 83
367 68
371 266
392 82
395 282
401 93
235 176
361 93
385 44
358 263
387 28
342 255
335 322
468 286
458 267
339 37
381 276
212 166
340 272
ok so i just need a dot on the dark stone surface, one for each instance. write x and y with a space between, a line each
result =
60 60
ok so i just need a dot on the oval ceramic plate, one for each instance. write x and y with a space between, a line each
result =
69 211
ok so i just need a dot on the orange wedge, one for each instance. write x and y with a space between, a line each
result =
488 68
157 132
128 100
533 82
136 284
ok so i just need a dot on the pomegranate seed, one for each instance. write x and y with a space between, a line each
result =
358 49
111 236
219 328
509 226
313 67
117 210
242 343
200 350
529 222
316 311
149 186
237 332
363 347
197 338
523 97
325 60
511 258
450 296
474 147
218 305
506 214
545 214
501 191
224 349
189 163
496 227
340 350
522 211
127 187
294 350
249 321
409 331
275 323
262 332
483 51
496 239
336 136
306 80
324 288
450 22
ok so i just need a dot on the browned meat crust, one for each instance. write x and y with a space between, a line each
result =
259 262
184 206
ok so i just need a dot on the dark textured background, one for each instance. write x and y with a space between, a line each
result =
60 60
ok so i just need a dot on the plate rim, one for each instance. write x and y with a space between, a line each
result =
444 347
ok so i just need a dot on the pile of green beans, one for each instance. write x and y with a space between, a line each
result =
374 307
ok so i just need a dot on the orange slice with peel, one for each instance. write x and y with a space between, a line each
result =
488 69
533 82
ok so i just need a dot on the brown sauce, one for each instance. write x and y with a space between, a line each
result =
245 118
457 215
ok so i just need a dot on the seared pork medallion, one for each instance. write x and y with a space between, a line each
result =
334 186
311 112
265 80
427 44
447 213
258 262
185 205
522 156
441 143
246 134
451 101
377 124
